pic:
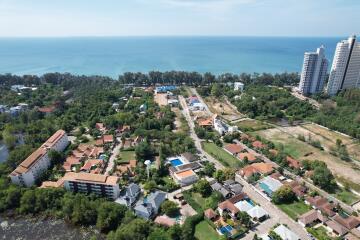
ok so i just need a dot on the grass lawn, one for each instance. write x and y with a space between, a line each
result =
203 231
126 156
220 154
198 198
345 196
295 209
319 233
252 125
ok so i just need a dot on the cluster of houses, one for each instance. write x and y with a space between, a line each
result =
217 124
326 214
15 110
145 206
230 208
195 104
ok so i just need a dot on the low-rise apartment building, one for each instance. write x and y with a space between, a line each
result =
102 185
33 166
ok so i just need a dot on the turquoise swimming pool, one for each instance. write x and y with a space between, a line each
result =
176 162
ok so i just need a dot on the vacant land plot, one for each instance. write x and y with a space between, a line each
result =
161 99
223 108
252 125
346 196
319 233
326 137
295 209
126 156
203 231
220 154
302 150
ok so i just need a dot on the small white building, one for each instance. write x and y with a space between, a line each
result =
258 213
285 233
238 86
197 107
185 177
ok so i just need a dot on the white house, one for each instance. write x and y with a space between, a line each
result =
185 177
238 86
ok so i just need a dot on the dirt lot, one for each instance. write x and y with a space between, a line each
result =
223 108
302 151
161 99
326 137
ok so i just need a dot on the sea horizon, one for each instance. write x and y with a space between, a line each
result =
112 56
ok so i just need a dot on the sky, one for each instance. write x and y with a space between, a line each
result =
62 18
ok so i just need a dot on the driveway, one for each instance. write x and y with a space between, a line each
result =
186 112
114 154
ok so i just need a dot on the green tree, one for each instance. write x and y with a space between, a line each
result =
137 229
283 195
323 178
209 169
203 187
170 208
109 216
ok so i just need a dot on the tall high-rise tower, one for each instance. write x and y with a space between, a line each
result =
345 70
313 72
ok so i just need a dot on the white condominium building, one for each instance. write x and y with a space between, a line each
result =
102 185
313 72
34 165
345 70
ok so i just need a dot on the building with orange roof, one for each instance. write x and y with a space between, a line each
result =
229 207
101 127
95 166
35 164
108 139
102 185
185 177
293 163
233 149
258 145
128 168
250 157
207 122
261 168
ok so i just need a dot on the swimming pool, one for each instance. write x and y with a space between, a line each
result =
250 202
226 230
266 188
176 162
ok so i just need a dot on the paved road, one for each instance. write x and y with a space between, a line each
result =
114 154
276 215
197 141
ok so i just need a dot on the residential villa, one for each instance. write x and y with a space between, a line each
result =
285 234
129 195
260 168
233 149
95 166
34 165
126 168
185 177
150 205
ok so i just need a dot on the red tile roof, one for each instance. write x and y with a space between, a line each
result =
258 144
227 205
293 163
234 148
249 156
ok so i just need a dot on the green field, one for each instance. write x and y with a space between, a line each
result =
345 196
295 209
252 125
220 154
203 231
319 233
126 156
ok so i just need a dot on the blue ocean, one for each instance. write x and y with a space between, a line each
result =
112 56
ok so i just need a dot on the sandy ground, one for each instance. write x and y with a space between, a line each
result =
161 99
177 119
223 109
304 151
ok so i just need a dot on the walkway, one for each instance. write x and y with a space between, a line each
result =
114 154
